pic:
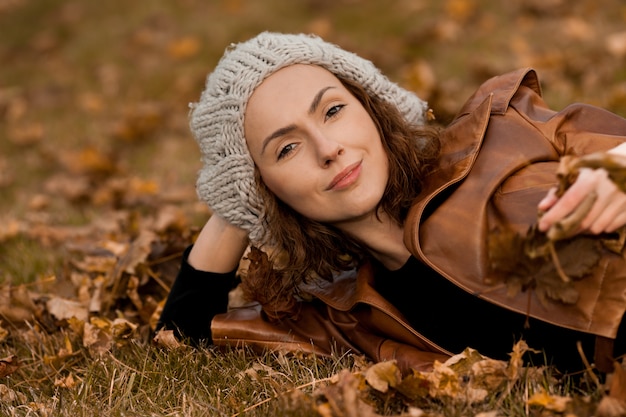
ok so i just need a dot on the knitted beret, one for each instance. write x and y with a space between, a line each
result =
226 181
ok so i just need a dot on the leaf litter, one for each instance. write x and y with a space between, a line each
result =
111 290
118 268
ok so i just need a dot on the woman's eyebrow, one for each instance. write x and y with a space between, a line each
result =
278 133
318 97
285 130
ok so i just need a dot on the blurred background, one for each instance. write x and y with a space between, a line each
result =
94 95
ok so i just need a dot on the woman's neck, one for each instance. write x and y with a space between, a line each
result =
383 238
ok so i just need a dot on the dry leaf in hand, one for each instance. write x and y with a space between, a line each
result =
614 164
528 263
546 262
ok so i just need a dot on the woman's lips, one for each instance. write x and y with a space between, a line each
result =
346 177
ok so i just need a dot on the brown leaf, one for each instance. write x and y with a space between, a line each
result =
16 304
122 330
118 278
9 365
614 164
7 395
139 122
89 161
568 226
97 336
65 382
343 398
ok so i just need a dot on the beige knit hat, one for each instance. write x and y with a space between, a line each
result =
226 181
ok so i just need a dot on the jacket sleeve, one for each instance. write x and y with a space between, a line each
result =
195 298
318 329
579 129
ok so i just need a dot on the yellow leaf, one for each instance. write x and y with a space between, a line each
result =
122 329
67 382
382 375
550 402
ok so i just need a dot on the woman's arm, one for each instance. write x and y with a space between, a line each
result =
219 246
206 276
607 214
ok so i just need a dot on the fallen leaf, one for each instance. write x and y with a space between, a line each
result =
342 398
9 365
139 122
383 375
184 48
63 309
65 382
610 407
96 337
122 330
166 339
4 333
617 388
7 395
550 402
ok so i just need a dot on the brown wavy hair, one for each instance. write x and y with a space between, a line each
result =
311 250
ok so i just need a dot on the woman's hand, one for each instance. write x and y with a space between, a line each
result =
608 212
219 246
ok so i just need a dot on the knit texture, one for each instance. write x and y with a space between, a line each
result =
226 181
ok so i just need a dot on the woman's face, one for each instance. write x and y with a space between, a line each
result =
316 147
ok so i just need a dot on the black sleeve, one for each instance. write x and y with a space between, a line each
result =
195 298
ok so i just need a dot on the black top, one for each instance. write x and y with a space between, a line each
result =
455 319
436 308
194 299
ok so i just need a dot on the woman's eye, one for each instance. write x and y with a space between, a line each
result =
286 150
333 111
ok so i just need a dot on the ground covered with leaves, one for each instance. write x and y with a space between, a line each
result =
97 201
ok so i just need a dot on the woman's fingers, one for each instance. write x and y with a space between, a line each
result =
607 214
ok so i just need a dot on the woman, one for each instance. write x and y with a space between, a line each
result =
384 226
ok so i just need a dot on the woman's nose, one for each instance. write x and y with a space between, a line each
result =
328 149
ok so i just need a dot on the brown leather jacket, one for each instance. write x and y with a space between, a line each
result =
499 159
